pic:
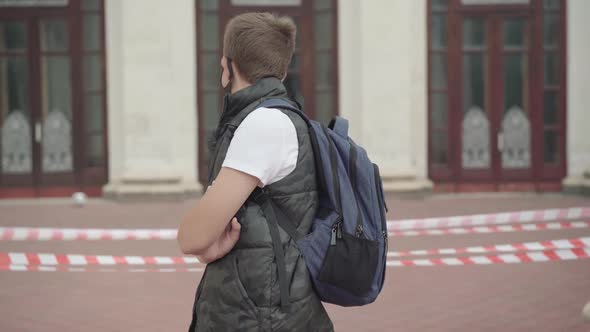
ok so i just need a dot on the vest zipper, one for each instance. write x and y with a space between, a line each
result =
232 129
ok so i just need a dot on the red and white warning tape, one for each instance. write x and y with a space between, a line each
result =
42 259
18 258
44 234
406 227
43 268
491 219
494 229
524 257
527 246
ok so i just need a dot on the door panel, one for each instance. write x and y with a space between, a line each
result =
476 125
507 64
514 142
496 134
36 103
55 117
16 134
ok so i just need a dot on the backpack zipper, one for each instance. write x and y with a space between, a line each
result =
336 232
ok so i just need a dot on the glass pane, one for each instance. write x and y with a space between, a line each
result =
514 33
550 107
91 33
474 81
57 114
13 85
15 126
209 28
439 4
297 21
551 68
324 112
211 111
209 4
91 4
322 4
439 31
439 71
55 84
551 4
92 73
476 124
515 81
293 85
551 150
13 36
94 114
211 71
95 150
323 70
440 148
439 110
261 3
474 33
323 30
495 2
550 29
54 35
295 62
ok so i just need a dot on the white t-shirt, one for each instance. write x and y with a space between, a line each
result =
264 145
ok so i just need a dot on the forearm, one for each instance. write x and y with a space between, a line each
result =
206 220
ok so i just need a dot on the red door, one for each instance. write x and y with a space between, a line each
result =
496 94
52 99
495 132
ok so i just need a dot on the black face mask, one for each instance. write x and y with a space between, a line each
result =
230 68
227 87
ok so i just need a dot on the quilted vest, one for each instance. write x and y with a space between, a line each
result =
241 290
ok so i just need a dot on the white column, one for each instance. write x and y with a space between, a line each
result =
578 96
382 59
151 97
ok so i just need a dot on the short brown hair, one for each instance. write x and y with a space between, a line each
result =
260 44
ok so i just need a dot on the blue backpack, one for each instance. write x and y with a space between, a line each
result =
345 251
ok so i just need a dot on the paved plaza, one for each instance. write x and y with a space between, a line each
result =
516 293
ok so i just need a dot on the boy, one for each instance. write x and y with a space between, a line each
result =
243 288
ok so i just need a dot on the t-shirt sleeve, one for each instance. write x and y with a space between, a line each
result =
264 145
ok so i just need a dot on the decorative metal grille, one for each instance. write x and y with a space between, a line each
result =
17 155
57 143
476 139
516 129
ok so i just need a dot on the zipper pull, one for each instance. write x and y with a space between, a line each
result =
339 230
333 240
359 230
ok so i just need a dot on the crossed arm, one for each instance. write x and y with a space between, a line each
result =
209 229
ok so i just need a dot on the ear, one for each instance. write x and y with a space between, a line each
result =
224 72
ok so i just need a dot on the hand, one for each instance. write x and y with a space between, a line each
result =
224 244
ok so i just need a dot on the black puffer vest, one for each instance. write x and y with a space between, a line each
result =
240 292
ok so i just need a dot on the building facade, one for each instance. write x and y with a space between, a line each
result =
119 97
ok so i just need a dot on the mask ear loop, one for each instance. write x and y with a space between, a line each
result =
231 75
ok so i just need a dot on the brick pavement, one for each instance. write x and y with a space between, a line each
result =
522 297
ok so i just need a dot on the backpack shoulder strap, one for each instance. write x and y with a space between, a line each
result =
284 104
315 128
